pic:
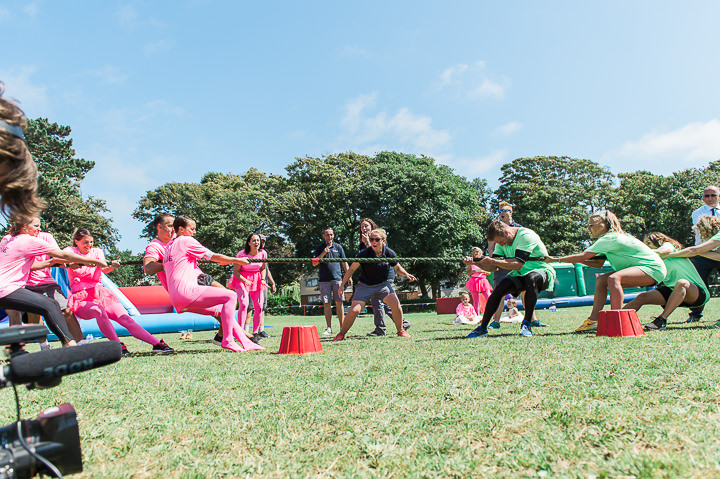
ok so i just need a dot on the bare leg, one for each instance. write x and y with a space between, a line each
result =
627 277
646 297
340 312
14 317
394 303
37 319
683 292
601 291
355 309
327 307
73 324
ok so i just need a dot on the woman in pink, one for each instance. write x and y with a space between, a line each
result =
478 283
17 256
248 283
89 299
189 288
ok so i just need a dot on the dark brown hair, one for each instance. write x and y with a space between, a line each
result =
495 229
80 233
159 219
657 239
18 171
181 221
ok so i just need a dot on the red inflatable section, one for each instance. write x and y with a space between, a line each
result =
149 299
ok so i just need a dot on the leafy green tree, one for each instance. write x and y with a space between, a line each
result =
59 179
554 197
227 208
323 192
645 202
426 209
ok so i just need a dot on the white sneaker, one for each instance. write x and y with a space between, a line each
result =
327 332
45 346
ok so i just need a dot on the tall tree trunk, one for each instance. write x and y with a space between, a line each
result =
423 288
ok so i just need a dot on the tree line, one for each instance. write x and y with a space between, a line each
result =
427 209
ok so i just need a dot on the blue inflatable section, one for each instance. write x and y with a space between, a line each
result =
153 323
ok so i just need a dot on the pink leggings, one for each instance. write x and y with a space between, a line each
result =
90 310
476 300
244 298
208 300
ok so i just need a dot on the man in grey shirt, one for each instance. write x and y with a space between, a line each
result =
329 277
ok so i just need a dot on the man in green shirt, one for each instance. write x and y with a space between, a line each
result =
523 252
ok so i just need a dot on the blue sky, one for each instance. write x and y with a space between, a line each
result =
166 91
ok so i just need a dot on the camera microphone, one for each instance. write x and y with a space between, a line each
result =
47 365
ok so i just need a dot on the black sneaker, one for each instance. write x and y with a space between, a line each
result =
123 349
263 334
162 347
658 324
256 338
692 319
376 332
217 340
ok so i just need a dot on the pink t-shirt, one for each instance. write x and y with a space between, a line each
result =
17 256
181 269
43 276
465 311
250 271
85 277
156 250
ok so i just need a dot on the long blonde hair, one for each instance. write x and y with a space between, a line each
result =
610 220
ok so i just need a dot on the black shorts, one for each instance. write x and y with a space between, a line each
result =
518 284
666 292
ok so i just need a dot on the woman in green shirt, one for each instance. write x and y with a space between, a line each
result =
682 285
634 263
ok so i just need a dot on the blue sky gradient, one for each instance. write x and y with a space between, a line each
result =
166 91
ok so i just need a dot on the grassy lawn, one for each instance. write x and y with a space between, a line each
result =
435 405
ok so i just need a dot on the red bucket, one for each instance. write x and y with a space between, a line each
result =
300 340
619 322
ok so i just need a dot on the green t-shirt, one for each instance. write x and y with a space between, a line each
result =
625 251
527 244
682 268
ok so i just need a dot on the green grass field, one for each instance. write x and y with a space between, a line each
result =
436 405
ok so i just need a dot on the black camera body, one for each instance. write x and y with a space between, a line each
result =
51 442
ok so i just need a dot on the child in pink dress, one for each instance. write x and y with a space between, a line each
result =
248 283
89 299
186 292
478 283
465 311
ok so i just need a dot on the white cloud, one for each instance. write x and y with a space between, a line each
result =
109 74
475 167
508 128
19 85
689 146
473 81
368 131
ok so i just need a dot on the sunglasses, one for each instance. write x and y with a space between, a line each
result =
375 240
505 211
710 196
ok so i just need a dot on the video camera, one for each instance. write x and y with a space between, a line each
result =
49 444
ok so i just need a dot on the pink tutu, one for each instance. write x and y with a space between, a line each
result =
478 283
98 295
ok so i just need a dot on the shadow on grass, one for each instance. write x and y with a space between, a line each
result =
174 353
